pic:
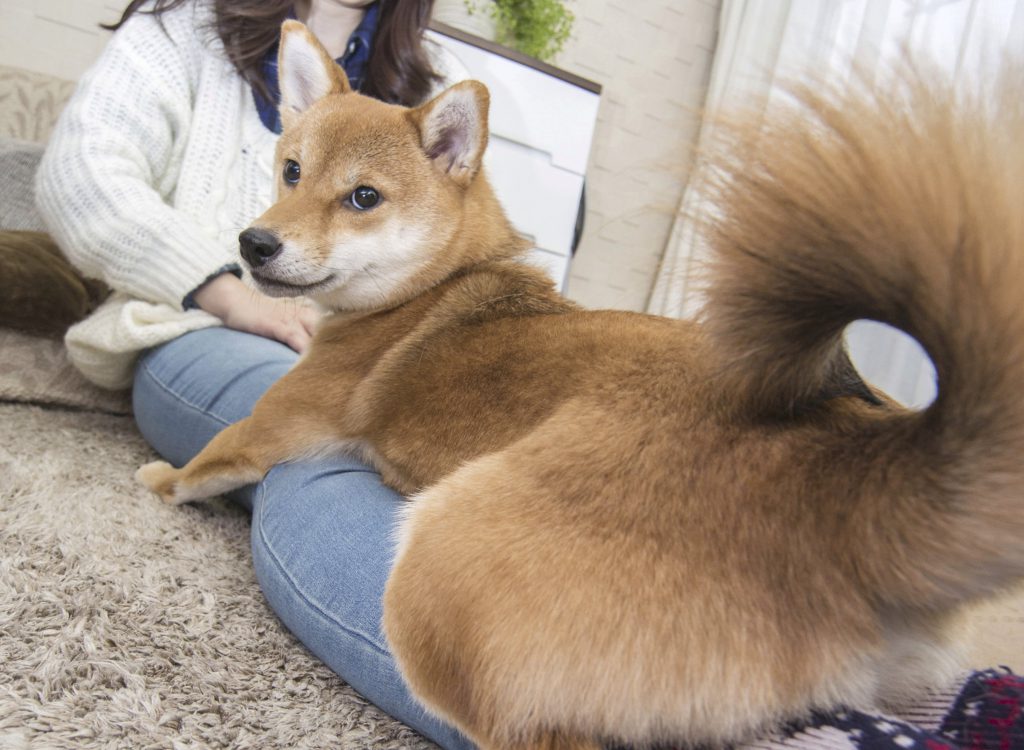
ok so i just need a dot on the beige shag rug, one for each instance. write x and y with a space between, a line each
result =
124 623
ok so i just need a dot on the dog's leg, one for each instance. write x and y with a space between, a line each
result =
280 428
232 459
462 642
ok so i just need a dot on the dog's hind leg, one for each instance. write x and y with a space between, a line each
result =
482 634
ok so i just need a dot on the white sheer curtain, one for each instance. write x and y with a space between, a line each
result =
762 42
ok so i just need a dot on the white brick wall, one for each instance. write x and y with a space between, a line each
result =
56 37
651 56
653 59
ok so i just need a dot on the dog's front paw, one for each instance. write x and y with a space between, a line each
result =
162 478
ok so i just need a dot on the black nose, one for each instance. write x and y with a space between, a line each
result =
258 245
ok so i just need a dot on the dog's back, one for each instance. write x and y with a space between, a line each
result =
716 530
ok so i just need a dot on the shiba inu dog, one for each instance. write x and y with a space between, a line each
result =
630 529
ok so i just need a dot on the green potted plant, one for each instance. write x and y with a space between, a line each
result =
539 28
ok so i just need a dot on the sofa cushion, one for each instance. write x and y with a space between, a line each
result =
36 370
18 163
30 103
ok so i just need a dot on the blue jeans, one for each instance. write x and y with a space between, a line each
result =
321 529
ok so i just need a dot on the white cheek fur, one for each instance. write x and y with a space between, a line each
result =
377 264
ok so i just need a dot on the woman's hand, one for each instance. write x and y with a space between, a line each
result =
290 321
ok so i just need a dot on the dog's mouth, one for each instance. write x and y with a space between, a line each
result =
277 288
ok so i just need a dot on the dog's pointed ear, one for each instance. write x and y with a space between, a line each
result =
306 72
453 129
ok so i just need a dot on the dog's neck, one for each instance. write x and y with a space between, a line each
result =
484 232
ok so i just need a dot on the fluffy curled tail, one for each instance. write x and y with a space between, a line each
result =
905 206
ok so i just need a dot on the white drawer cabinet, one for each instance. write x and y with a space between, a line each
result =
542 125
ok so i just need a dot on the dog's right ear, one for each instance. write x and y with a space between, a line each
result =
306 72
453 129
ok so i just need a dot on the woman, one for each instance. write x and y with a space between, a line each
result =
165 153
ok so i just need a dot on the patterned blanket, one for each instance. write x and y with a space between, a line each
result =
987 714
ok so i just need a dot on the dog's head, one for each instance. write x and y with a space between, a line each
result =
372 198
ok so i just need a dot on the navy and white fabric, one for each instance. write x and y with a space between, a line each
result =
984 712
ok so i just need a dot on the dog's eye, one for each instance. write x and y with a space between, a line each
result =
291 171
364 197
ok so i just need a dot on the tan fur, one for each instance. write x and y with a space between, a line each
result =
633 529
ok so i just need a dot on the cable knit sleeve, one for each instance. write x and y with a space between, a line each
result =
106 184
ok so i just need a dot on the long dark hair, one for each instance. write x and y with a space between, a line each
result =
398 71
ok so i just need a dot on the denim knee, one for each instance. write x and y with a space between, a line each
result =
323 545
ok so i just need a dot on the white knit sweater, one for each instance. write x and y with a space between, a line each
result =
157 163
